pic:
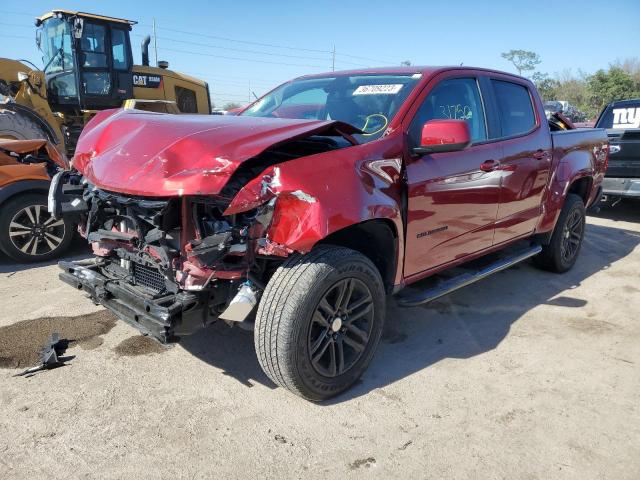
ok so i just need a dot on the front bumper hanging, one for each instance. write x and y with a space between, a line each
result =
166 318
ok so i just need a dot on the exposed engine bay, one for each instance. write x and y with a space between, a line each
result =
173 265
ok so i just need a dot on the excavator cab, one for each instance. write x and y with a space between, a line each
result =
87 58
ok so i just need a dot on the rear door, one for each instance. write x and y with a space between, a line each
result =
452 203
526 158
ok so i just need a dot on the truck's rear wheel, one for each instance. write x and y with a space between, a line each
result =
562 251
16 126
319 321
28 232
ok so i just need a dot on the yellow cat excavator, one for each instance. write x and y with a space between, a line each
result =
88 66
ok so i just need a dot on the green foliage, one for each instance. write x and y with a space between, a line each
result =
614 84
591 93
547 87
523 60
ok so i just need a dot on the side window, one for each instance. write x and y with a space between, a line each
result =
92 44
119 49
514 105
457 98
186 100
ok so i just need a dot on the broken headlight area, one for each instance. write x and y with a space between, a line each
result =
168 261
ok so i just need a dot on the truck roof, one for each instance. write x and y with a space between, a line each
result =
426 70
57 11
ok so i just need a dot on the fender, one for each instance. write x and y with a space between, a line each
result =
573 166
32 115
22 186
315 196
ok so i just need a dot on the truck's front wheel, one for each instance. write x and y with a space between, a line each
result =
319 321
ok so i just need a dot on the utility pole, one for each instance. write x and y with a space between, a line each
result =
249 90
333 59
155 41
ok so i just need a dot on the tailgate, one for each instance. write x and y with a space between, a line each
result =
624 156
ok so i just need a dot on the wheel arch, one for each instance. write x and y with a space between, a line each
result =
375 239
581 186
23 186
33 116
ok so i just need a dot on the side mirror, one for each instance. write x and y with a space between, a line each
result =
443 136
78 26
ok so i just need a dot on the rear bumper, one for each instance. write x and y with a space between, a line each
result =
166 318
621 187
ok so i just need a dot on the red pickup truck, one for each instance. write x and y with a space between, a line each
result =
300 215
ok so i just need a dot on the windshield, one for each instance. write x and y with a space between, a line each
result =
56 45
367 102
621 116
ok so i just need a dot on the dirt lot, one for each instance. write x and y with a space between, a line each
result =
525 375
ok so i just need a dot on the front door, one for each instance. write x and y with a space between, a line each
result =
452 202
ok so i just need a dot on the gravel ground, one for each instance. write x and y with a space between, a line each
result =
524 375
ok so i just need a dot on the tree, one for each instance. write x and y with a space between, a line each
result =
231 106
523 60
547 87
405 63
607 86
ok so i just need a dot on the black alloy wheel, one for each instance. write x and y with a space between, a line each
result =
341 327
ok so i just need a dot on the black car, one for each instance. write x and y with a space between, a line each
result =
622 121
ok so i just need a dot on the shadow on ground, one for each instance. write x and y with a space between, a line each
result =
464 324
78 250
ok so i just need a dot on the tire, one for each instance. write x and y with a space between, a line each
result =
562 251
16 126
297 320
25 222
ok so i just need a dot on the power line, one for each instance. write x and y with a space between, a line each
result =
18 25
241 59
15 36
32 15
229 94
247 42
186 42
363 58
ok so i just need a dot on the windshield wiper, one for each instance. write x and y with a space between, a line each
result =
58 53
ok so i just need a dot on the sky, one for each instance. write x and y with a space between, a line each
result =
240 47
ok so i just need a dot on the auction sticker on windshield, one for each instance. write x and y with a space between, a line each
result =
378 89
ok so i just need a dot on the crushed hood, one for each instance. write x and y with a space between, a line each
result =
160 155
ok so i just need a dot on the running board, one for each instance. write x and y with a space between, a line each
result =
452 284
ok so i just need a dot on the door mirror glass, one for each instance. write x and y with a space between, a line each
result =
444 136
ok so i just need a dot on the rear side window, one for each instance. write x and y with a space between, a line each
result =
515 107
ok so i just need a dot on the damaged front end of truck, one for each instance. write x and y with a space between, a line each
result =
184 244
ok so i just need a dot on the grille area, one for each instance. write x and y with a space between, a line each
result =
148 277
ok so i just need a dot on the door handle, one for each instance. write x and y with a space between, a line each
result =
489 165
541 155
